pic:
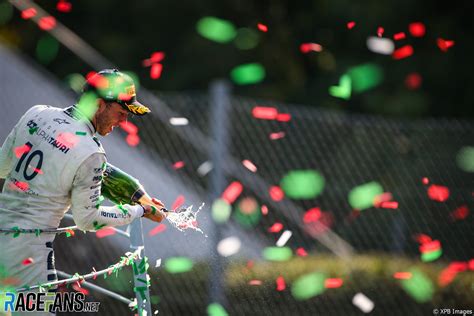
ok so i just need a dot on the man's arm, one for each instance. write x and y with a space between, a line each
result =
85 199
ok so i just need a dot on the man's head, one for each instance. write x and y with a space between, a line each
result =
115 96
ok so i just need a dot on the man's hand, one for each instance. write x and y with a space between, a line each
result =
154 212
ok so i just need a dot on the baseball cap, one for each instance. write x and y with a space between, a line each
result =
115 86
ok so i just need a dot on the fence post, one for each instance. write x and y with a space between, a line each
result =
140 267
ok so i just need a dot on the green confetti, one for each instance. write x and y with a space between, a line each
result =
99 202
308 286
248 74
215 29
431 255
98 226
37 232
221 211
16 231
216 309
47 49
362 196
365 77
302 184
123 209
277 253
343 90
178 265
247 212
88 104
81 133
419 286
465 159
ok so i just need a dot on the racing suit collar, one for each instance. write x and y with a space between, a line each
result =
75 113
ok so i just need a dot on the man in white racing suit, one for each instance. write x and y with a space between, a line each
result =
51 162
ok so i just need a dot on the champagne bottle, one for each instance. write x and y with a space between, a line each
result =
121 188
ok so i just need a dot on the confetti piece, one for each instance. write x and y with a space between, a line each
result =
248 74
28 13
280 284
276 193
419 286
403 52
21 150
27 261
264 209
277 227
277 135
417 29
310 47
312 215
255 282
413 81
460 213
362 197
444 45
285 236
283 117
343 90
301 252
247 212
158 229
384 197
389 204
179 121
158 263
438 193
399 36
249 165
47 49
204 168
228 246
382 46
129 127
232 192
350 25
380 31
132 140
156 57
178 265
178 165
363 303
308 286
302 184
365 76
333 283
221 211
465 159
216 30
277 253
431 251
64 6
178 202
215 309
262 27
104 232
80 289
402 275
47 23
425 181
155 71
264 113
81 133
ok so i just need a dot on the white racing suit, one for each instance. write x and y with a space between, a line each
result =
51 161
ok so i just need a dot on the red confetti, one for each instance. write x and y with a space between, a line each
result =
178 165
158 229
64 6
433 245
232 192
80 289
301 252
276 228
250 264
380 31
281 285
23 186
21 150
276 193
389 204
255 282
384 197
470 264
249 165
399 36
278 135
312 215
264 113
444 45
104 232
425 181
423 239
96 80
27 261
28 13
351 25
413 82
417 29
310 47
178 202
402 275
283 117
333 283
155 71
262 27
438 193
157 57
133 140
68 139
47 23
264 209
460 213
70 232
403 52
129 127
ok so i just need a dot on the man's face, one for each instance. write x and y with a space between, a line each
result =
109 116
